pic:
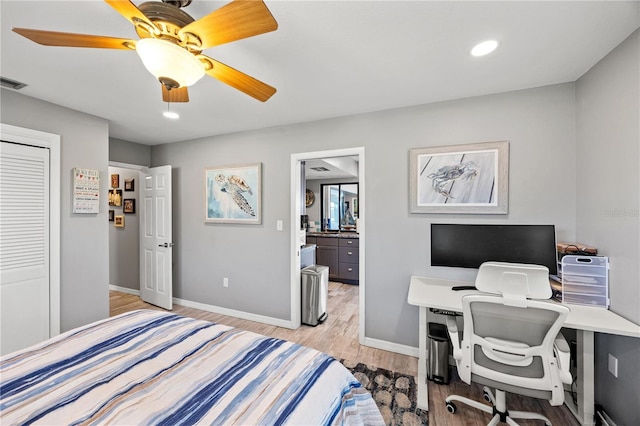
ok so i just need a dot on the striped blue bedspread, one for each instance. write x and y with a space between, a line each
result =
150 367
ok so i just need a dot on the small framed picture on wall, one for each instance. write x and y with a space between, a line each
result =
129 205
115 197
129 184
111 215
115 181
118 221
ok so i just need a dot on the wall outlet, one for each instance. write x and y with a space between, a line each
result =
225 282
613 365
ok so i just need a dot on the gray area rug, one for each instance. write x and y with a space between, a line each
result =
394 393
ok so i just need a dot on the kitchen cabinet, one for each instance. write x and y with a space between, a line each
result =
341 255
348 260
326 253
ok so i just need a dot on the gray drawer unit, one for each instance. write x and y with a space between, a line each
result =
348 255
341 254
349 242
349 273
349 260
327 241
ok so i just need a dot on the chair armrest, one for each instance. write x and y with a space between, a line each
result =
452 328
563 358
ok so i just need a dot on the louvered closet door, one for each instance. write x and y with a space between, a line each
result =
24 246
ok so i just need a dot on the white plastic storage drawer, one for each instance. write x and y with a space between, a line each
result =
585 299
585 280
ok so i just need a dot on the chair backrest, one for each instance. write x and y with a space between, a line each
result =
508 338
516 282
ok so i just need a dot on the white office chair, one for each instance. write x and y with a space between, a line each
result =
510 342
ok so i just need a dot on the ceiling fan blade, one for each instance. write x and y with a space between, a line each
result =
131 12
178 94
234 21
53 38
239 80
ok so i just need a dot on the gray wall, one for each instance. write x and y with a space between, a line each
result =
255 258
84 237
539 123
124 243
608 206
129 152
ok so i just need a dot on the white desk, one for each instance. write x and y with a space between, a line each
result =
436 293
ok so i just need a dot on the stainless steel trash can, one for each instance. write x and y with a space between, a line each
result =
438 364
315 290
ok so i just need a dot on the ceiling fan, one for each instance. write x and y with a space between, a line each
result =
171 42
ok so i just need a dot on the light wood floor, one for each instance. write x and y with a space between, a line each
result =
338 337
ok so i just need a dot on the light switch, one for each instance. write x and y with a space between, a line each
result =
279 225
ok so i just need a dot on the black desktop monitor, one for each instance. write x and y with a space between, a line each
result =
468 246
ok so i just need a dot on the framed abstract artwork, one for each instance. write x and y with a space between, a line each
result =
471 178
232 194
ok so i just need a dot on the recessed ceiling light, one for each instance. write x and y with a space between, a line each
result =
484 48
172 115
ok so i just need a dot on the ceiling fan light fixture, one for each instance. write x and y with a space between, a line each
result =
168 61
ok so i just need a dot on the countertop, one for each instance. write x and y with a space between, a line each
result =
353 235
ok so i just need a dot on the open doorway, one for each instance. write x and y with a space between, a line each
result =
140 255
298 187
124 239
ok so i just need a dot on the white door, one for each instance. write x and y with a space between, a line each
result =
24 246
156 252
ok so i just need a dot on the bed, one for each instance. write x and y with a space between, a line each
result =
153 367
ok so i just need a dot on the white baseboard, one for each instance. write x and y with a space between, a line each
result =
233 313
124 290
368 341
391 347
215 309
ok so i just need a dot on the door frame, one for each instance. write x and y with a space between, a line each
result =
296 200
50 141
140 169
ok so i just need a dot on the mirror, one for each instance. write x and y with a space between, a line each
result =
339 206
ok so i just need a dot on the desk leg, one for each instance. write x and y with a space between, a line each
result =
423 392
585 380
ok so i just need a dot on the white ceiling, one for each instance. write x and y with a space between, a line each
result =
331 168
327 59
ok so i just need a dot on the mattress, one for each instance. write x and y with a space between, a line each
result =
152 367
